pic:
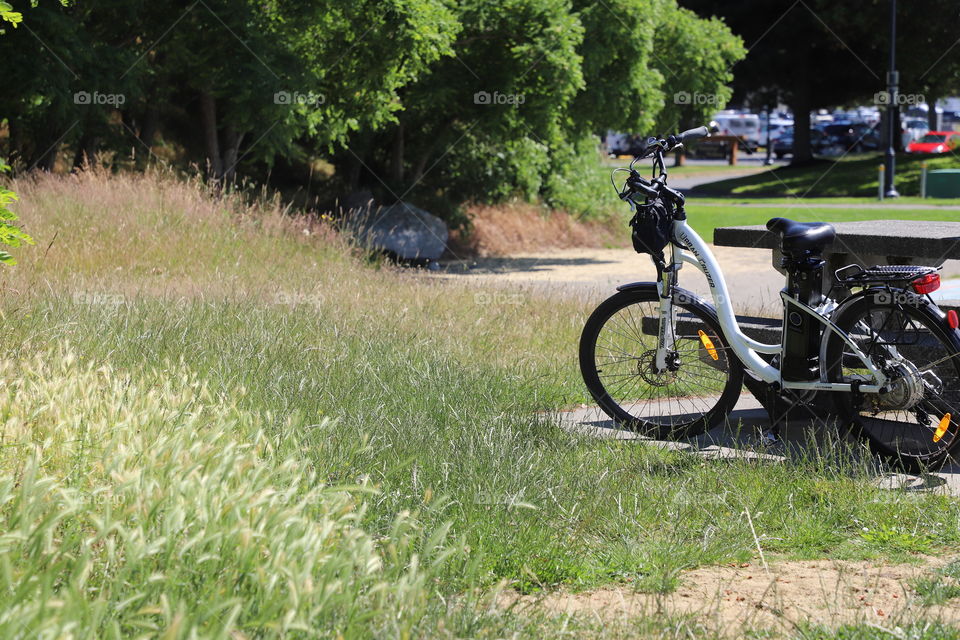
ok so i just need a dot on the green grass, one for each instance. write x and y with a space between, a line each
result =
854 176
705 219
940 586
217 422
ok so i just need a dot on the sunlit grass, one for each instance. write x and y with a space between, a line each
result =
214 423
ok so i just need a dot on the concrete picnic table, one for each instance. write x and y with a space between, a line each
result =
864 242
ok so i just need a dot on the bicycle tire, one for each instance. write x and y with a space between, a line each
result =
927 341
710 410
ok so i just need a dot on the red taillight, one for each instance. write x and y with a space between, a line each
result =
952 319
926 284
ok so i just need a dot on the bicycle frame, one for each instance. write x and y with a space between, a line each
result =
689 247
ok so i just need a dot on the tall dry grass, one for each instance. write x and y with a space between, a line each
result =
506 229
154 233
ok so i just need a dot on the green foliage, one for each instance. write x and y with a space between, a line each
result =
10 234
7 14
443 101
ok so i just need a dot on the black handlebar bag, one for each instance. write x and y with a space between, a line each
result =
652 224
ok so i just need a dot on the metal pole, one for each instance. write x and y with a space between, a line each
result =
923 179
892 105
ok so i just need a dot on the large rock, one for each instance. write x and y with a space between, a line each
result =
406 231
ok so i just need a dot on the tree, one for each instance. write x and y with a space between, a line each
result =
528 83
444 100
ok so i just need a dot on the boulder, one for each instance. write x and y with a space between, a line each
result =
406 231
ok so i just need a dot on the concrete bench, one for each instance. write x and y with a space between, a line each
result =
866 242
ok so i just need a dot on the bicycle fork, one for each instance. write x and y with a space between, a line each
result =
666 356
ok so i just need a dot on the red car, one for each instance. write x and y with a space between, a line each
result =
935 142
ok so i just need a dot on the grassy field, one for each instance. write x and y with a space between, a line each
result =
705 218
219 420
853 176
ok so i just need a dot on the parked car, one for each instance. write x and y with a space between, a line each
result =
914 129
783 145
741 125
777 127
935 142
851 137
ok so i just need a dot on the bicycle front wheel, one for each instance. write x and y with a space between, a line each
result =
915 423
618 356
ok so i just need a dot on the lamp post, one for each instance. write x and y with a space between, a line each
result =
892 103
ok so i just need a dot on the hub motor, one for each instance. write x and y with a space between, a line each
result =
906 387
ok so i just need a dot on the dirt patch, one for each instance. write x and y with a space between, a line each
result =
517 227
748 596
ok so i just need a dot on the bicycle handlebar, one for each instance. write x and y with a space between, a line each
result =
694 134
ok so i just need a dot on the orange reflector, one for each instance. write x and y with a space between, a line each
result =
941 428
952 319
926 284
708 345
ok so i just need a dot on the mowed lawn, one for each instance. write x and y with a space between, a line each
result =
705 215
220 420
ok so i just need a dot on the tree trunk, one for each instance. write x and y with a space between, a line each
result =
932 113
48 160
211 141
231 151
396 160
151 124
421 165
14 141
800 103
801 131
86 149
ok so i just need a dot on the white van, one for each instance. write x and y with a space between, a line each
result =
742 125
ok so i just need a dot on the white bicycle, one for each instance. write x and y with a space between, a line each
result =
660 360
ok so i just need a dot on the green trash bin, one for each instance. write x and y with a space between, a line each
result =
943 183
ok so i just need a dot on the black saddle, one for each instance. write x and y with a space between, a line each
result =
802 238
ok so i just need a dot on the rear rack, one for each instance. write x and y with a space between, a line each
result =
880 274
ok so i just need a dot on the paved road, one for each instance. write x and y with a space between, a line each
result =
593 274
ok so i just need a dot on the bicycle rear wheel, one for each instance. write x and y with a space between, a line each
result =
917 422
617 361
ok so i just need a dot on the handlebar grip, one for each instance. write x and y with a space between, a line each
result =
693 134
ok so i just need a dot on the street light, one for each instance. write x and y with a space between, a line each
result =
893 79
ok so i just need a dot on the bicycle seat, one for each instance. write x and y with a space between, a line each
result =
802 237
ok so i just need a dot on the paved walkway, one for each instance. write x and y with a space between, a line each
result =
741 437
593 274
